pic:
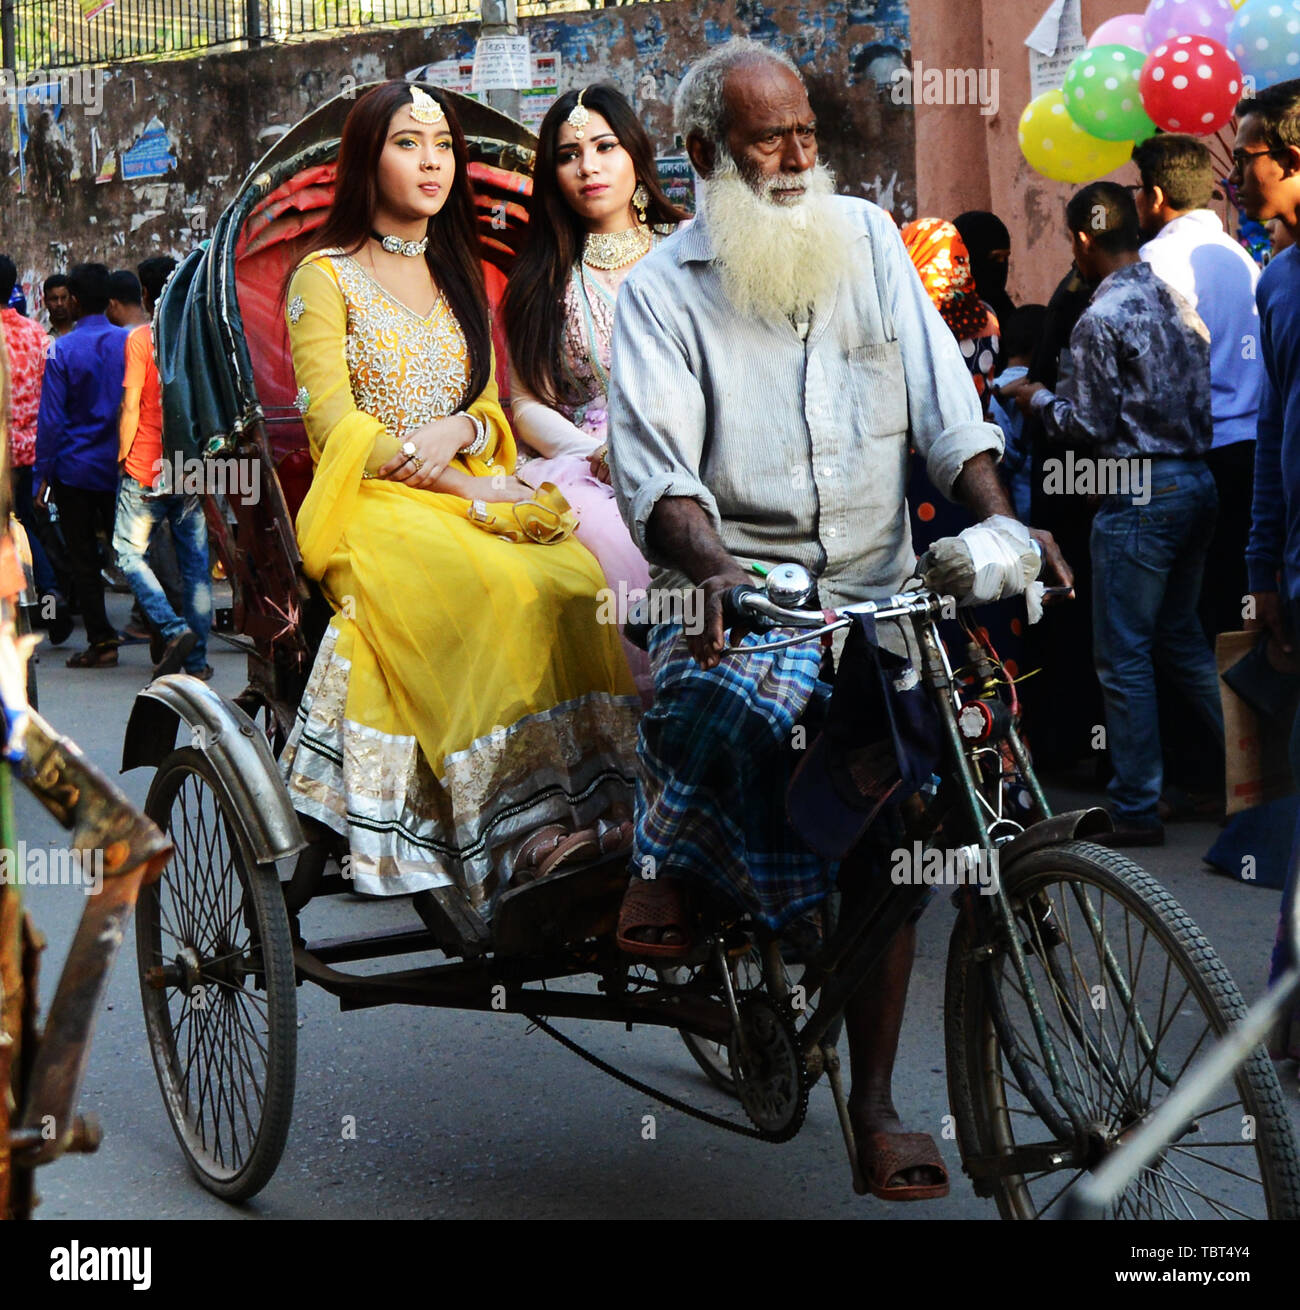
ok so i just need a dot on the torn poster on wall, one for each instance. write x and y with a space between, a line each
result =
151 155
501 63
1054 44
29 103
677 178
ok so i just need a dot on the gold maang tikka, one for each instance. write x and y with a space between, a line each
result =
424 108
579 116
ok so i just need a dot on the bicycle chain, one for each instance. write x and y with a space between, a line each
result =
742 1130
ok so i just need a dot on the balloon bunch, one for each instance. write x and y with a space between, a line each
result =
1182 66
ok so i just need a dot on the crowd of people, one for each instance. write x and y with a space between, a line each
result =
87 468
689 403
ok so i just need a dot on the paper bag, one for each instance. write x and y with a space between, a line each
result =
1257 767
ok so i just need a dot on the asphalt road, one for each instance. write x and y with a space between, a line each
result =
470 1115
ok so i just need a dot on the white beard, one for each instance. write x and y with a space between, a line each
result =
776 259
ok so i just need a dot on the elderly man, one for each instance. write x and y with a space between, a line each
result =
771 362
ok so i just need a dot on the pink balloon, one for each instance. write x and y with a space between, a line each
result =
1124 30
1167 19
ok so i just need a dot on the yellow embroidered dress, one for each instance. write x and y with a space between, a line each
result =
464 692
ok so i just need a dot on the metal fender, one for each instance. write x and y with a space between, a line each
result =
232 743
1077 825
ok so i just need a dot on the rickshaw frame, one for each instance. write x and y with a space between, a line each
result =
560 926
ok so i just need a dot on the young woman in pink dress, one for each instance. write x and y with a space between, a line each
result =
597 209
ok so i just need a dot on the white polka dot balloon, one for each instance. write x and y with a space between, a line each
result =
1265 38
1103 96
1167 19
1058 148
1191 84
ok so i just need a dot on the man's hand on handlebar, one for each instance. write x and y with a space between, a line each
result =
706 647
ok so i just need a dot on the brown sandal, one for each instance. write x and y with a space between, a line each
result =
536 847
103 656
657 903
886 1155
576 848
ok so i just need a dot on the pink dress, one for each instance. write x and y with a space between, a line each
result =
561 439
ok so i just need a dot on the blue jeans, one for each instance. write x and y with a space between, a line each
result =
1147 564
137 517
24 507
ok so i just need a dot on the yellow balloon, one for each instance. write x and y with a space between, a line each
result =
1058 148
1236 4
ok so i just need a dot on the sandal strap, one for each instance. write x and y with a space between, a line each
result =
540 843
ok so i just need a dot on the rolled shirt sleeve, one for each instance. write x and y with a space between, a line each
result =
946 420
657 418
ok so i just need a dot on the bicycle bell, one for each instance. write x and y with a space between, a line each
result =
789 585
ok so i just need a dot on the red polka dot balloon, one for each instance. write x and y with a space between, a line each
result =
1190 84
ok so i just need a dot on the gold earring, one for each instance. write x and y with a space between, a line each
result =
640 199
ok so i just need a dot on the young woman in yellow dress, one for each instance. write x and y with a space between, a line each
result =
465 694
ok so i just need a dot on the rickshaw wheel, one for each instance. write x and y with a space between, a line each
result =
215 958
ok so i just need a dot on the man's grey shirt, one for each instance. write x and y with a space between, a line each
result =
797 451
1140 381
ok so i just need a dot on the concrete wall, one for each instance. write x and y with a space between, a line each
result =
220 113
966 160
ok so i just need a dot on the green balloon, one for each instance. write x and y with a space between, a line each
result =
1102 93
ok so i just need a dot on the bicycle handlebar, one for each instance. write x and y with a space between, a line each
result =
752 609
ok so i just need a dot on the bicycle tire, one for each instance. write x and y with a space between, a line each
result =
232 1030
988 1106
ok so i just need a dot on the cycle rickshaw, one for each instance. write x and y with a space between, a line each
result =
1076 995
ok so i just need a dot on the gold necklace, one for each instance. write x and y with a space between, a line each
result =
608 250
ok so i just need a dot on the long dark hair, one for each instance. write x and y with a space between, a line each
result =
534 299
453 252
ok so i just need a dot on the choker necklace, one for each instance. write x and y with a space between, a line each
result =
608 250
396 246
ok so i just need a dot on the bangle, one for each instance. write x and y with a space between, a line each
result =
480 442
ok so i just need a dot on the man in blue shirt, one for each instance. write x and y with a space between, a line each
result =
1266 170
1187 246
76 447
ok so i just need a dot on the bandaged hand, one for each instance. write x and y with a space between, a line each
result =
990 561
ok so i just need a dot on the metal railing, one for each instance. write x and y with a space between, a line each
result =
53 35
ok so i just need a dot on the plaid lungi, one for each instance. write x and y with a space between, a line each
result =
716 751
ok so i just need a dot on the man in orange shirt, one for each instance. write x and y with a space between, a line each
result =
143 502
